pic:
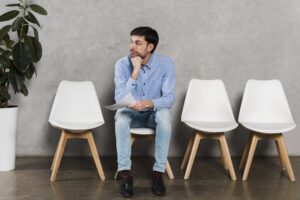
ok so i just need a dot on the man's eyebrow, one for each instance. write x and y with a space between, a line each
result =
135 40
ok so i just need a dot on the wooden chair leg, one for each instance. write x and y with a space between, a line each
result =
250 156
286 159
95 154
223 157
187 154
227 157
55 155
280 155
169 170
192 156
60 151
245 153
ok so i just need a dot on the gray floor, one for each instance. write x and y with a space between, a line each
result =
77 179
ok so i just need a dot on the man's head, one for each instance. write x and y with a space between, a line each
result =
143 41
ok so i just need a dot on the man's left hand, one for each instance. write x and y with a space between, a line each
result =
141 105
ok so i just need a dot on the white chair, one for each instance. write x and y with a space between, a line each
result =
139 133
207 110
76 111
266 113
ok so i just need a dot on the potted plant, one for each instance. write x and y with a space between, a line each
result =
20 49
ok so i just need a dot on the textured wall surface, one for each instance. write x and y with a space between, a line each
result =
233 40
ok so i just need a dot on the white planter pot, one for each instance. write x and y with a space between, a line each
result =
8 126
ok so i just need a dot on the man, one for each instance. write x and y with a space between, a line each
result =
150 78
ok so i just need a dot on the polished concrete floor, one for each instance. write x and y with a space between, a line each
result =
77 179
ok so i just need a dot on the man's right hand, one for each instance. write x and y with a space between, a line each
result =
136 63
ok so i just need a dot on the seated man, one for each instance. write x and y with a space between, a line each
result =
150 78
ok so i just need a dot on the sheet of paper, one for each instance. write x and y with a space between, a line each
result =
127 100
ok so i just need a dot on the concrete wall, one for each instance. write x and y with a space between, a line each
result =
233 40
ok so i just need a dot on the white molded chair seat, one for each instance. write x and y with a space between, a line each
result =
76 126
264 104
76 110
269 128
76 107
207 110
266 113
212 127
142 131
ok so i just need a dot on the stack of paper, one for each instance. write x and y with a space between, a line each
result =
127 100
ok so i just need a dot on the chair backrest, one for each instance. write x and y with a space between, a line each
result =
264 101
207 101
76 102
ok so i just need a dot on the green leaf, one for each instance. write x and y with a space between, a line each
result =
9 15
30 17
12 5
4 31
3 79
7 53
16 79
9 43
36 48
17 24
24 90
38 9
6 37
25 29
20 79
13 80
5 95
4 62
22 56
30 71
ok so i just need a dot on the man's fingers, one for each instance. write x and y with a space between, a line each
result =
130 105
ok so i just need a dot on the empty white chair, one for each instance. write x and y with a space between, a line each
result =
137 133
207 110
76 111
266 113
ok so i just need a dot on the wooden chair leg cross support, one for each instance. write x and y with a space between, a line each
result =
61 147
250 149
168 167
192 148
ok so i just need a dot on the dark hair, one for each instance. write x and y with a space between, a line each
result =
149 33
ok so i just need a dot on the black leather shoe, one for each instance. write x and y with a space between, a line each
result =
126 183
158 186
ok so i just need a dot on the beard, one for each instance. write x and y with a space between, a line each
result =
136 54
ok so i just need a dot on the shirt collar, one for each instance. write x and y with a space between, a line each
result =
150 62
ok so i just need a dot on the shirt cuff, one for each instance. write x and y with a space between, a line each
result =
155 104
131 83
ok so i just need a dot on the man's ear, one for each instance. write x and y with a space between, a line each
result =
150 47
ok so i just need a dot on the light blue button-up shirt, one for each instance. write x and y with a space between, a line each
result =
156 81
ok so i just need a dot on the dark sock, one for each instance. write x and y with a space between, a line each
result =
125 173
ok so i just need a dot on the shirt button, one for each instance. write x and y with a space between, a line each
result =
144 83
143 94
132 84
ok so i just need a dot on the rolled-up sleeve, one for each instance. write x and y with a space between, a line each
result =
168 89
123 85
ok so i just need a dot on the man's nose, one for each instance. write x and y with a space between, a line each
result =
132 46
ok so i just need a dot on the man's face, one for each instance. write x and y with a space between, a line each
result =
140 47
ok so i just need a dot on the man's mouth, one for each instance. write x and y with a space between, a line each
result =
133 54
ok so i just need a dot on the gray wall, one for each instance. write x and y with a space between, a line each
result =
233 40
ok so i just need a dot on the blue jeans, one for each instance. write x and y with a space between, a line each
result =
160 120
